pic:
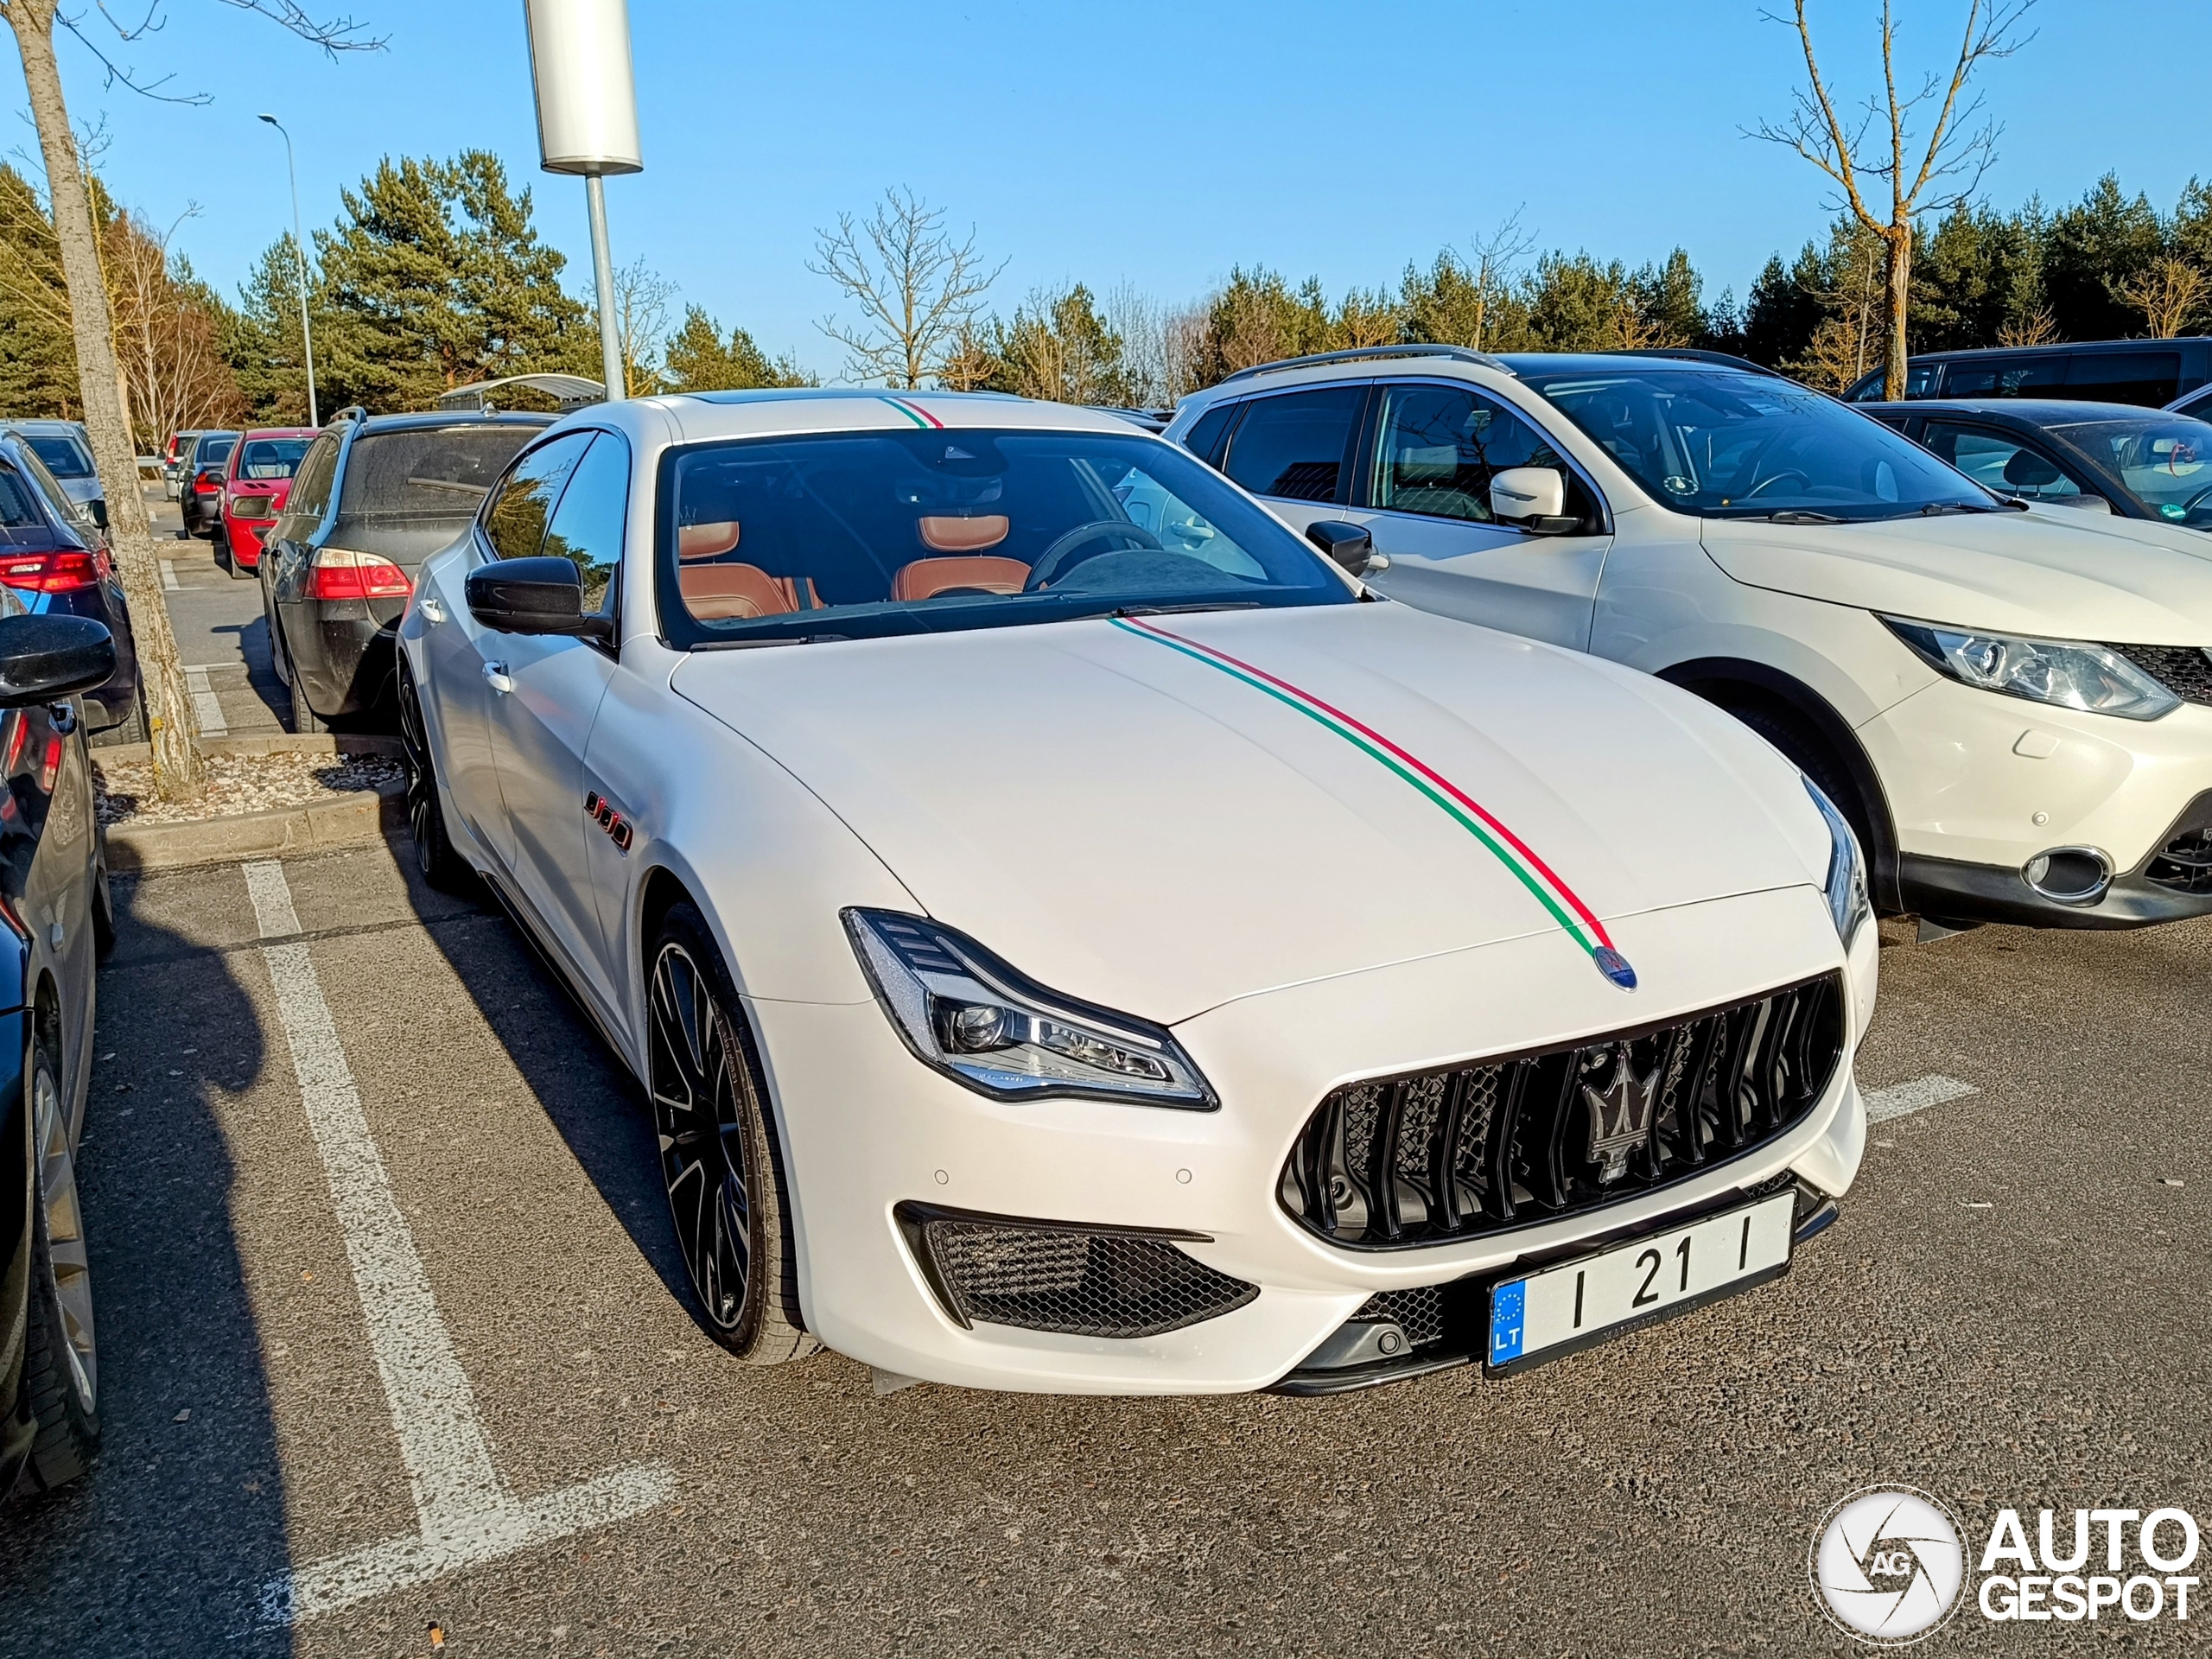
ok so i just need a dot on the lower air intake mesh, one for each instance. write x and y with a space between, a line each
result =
1051 1277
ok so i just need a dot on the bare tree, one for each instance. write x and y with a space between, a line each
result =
2038 327
1932 177
177 769
1493 261
1162 344
165 336
917 290
641 302
2169 293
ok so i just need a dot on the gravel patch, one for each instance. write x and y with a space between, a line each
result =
235 783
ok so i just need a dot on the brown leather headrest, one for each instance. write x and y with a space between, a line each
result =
946 534
707 541
718 592
926 578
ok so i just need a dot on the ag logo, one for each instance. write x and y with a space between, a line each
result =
1887 1565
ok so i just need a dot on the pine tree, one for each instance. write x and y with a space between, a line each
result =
698 358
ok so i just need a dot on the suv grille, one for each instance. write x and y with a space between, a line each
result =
2185 670
2184 864
1431 1156
1058 1276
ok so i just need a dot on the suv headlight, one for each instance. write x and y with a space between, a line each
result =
967 1015
1847 883
2071 673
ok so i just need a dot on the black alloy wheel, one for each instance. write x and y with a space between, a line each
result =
441 865
61 1360
718 1162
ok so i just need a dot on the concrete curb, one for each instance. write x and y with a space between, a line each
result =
345 820
274 743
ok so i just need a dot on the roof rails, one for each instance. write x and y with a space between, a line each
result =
351 412
1691 354
1457 353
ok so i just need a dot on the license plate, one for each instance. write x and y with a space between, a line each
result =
1587 1300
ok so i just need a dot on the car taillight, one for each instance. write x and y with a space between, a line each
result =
205 484
49 763
61 572
340 572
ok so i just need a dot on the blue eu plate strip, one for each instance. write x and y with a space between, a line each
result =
1506 1303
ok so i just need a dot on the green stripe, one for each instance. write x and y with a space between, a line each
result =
1504 856
907 412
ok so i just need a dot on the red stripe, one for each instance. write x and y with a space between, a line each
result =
1419 765
919 410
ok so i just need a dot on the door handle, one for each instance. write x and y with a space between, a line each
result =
433 610
495 675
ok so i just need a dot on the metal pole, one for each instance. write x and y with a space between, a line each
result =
602 264
299 251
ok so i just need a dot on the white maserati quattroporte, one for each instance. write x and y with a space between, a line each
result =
1075 937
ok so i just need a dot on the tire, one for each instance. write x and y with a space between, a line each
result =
441 865
1803 748
131 728
719 1160
61 1360
305 722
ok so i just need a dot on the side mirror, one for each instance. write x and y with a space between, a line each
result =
1349 546
1532 498
44 658
97 508
534 595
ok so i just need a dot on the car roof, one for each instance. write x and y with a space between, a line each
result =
1460 362
766 411
414 419
2051 348
42 425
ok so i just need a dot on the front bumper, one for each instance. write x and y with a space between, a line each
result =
866 1128
1980 784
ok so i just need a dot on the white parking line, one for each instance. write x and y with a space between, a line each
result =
1899 1099
169 583
206 708
467 1515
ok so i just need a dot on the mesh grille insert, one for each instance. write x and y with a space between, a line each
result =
1395 1162
1044 1277
2185 670
1419 1312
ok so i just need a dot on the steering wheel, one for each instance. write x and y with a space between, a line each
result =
1787 473
2189 506
1048 564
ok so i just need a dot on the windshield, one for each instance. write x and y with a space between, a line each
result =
268 458
1749 445
435 475
2163 460
858 535
64 456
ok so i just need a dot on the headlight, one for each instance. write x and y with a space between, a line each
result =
1847 882
2072 674
967 1015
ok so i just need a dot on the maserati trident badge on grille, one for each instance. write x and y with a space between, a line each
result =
1620 1118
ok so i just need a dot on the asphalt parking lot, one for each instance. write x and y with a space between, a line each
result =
2010 1312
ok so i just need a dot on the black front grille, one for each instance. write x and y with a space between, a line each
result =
1431 1156
1057 1276
2184 864
2185 670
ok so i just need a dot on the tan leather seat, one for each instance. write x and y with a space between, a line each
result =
950 533
719 593
707 541
926 578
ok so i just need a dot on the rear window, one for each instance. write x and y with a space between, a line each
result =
263 459
18 506
213 452
429 474
64 456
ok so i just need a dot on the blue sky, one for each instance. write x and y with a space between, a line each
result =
1160 144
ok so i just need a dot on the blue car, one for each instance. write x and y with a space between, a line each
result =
55 556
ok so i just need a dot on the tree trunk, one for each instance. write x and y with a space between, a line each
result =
1898 293
169 701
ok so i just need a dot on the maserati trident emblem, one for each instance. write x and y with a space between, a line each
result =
1620 1118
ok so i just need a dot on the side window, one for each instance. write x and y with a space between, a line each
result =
1998 463
311 490
2150 378
1204 439
587 524
2031 377
1437 446
1297 445
18 510
515 515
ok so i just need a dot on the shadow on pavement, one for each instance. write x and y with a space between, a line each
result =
162 1547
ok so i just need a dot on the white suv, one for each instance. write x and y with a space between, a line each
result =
2013 705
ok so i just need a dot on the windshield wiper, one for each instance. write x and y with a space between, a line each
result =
1796 515
1178 610
1937 509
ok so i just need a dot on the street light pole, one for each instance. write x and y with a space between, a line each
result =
300 249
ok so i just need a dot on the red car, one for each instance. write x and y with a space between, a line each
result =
256 479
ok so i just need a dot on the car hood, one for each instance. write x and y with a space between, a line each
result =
1162 814
2056 572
